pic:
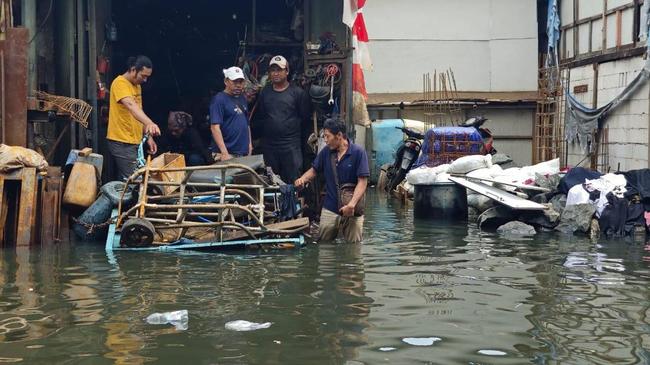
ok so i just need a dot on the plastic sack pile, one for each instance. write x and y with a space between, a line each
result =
13 157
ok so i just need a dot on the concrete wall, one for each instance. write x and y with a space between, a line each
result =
490 44
627 125
511 126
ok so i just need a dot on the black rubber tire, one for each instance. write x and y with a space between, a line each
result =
155 190
137 232
113 191
396 180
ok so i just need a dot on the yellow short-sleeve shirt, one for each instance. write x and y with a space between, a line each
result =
122 125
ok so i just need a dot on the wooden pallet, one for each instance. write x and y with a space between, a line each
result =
24 230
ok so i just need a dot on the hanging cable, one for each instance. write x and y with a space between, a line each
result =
40 27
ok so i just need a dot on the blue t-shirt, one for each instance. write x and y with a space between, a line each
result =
231 113
353 164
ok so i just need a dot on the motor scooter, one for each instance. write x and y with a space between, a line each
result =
486 135
405 157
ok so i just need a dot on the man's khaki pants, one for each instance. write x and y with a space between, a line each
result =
331 224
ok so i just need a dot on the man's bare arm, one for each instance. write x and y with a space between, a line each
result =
149 126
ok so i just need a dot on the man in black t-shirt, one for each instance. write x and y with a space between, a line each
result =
284 111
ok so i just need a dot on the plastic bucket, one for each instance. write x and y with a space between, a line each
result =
81 188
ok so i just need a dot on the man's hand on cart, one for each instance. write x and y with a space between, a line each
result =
153 147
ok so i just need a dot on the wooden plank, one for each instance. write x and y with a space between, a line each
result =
498 195
519 186
3 211
27 208
50 203
619 25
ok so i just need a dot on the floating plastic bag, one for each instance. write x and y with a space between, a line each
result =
178 319
241 325
421 341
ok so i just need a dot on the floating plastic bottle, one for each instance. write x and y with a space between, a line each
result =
179 319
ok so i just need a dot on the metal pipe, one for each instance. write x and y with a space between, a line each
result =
202 168
203 193
28 13
92 82
257 230
171 183
143 192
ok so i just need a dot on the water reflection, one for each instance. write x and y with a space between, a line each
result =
21 309
592 306
490 300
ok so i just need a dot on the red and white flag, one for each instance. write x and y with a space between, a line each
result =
353 18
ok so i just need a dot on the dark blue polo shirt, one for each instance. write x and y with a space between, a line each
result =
353 164
231 113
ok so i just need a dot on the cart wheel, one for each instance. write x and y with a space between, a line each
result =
137 232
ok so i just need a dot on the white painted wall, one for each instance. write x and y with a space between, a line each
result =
629 123
510 122
490 44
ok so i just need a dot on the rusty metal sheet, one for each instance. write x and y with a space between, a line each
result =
15 86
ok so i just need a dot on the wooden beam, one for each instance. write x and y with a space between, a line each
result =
3 211
624 52
606 12
619 26
604 47
50 206
575 27
27 208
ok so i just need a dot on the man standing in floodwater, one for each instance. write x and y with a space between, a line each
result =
351 163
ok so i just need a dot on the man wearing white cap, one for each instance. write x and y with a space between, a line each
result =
231 135
285 112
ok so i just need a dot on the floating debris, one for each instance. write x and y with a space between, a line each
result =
178 319
492 352
421 341
387 349
241 325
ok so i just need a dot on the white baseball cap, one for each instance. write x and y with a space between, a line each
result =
278 60
233 73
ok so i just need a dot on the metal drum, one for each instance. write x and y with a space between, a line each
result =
446 201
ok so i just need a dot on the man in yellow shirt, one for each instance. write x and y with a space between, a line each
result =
126 120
